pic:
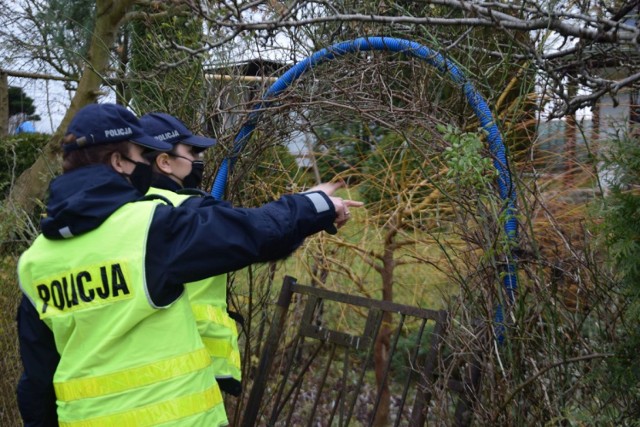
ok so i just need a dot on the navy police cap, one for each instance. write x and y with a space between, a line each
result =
168 128
97 124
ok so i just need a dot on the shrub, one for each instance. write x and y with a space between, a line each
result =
17 153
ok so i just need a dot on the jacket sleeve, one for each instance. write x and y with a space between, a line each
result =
36 396
204 237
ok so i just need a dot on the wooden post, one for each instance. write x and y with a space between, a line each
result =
4 104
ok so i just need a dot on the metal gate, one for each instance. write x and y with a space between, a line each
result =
311 372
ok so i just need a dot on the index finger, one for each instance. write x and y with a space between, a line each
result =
353 203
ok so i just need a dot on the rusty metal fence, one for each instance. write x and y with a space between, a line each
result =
317 366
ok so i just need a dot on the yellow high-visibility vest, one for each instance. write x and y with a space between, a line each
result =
123 360
208 299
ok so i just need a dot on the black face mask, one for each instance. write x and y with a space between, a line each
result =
194 178
141 175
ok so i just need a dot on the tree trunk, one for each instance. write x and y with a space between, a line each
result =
383 340
4 104
31 185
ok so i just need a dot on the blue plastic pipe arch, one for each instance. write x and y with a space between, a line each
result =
476 102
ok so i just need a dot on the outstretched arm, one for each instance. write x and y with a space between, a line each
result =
205 237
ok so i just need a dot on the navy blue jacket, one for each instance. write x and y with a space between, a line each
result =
201 238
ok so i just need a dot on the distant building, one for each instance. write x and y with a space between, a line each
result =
253 78
565 145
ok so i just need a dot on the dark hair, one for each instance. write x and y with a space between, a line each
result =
152 156
97 154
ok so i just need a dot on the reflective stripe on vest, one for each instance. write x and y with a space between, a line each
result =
216 315
140 376
222 349
162 412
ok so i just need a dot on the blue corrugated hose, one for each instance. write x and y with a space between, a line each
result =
476 102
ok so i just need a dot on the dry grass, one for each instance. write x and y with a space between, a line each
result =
10 368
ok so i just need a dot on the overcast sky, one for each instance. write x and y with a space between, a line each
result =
50 99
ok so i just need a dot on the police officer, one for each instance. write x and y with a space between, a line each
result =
107 336
177 174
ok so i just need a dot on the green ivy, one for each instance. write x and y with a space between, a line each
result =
468 165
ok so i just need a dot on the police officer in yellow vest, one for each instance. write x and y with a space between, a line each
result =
107 336
177 175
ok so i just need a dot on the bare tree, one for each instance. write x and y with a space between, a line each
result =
567 43
31 185
568 310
